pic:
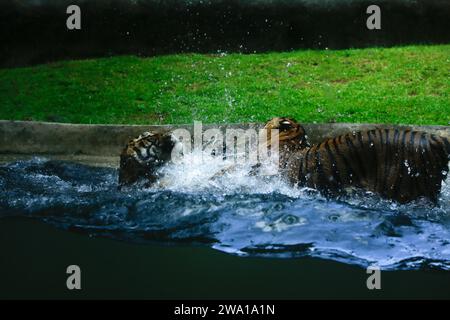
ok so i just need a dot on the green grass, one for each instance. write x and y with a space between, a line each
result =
407 85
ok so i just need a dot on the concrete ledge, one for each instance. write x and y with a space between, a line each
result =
101 144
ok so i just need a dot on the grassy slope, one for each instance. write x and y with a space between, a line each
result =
396 85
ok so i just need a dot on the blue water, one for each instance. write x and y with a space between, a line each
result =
237 214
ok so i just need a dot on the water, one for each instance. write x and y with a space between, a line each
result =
234 213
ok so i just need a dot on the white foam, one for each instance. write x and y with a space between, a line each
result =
196 174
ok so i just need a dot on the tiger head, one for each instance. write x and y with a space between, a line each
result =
291 135
142 156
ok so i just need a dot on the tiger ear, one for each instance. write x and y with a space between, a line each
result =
268 121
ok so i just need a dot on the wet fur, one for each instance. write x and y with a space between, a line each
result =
142 156
402 165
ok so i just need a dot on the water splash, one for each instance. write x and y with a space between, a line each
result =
232 212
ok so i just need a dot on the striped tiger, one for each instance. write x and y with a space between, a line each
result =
291 137
401 165
142 156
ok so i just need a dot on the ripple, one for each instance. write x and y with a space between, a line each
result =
237 214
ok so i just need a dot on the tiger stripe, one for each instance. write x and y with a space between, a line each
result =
402 165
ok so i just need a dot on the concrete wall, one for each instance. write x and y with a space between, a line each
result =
101 144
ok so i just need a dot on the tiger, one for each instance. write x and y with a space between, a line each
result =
401 165
291 137
142 156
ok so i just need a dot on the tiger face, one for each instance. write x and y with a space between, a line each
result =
291 135
142 156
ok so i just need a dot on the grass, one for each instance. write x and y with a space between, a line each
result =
407 85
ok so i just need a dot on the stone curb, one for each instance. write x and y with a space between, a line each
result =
20 139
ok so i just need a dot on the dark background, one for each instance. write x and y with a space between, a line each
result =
34 31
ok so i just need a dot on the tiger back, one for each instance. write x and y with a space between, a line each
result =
402 165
